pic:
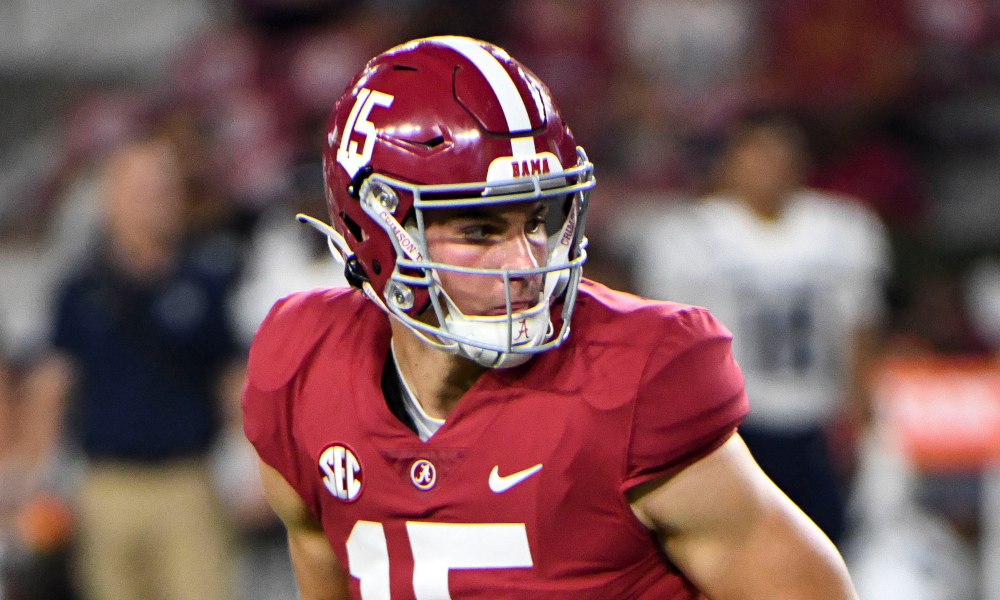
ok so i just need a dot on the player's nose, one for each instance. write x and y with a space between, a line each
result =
523 285
522 252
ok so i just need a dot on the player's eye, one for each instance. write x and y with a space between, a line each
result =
476 232
535 225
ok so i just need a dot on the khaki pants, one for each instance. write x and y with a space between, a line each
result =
152 532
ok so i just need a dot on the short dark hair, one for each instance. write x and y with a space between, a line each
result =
787 120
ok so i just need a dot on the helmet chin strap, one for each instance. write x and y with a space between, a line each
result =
522 330
492 359
526 329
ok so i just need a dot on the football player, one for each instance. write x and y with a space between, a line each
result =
436 431
798 275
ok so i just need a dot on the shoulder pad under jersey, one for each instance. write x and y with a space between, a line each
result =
292 329
617 337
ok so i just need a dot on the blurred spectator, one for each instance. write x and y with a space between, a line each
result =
577 68
850 66
140 346
864 161
699 55
797 276
839 57
54 229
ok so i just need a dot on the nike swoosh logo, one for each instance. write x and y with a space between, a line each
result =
501 484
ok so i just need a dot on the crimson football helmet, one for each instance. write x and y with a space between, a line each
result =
450 122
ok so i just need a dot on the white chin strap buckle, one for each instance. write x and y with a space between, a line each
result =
523 330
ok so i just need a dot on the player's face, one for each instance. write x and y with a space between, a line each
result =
510 236
764 166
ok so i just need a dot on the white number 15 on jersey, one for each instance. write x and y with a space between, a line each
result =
437 548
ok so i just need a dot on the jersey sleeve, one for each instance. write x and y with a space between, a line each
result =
690 400
267 422
289 333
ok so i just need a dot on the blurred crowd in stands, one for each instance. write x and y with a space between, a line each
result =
898 99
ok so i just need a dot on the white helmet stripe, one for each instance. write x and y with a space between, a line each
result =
503 86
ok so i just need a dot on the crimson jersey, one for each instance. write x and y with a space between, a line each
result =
521 493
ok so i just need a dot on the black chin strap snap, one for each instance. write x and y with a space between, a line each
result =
354 187
354 273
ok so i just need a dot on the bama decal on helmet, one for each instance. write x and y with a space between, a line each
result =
341 472
517 167
347 153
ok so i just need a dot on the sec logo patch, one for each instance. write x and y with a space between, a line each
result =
341 472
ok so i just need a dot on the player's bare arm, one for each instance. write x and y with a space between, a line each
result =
736 536
317 570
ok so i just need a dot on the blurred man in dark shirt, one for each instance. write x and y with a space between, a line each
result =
140 342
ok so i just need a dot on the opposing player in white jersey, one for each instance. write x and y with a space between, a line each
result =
797 275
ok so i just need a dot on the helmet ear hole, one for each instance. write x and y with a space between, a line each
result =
353 227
